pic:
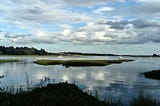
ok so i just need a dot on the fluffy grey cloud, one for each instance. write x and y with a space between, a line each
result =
16 36
45 15
147 8
125 32
20 38
87 3
142 23
130 32
33 15
117 25
137 23
38 38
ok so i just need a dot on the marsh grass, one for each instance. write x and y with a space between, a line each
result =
8 60
144 100
62 94
65 94
155 74
76 63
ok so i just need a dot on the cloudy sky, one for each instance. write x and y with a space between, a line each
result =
99 26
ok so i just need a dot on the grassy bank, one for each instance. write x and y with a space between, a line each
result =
155 74
8 60
75 63
64 94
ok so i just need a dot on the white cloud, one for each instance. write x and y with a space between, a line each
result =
66 32
147 0
89 2
122 32
103 10
66 26
1 35
31 15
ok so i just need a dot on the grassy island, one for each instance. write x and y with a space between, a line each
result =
68 63
155 74
8 60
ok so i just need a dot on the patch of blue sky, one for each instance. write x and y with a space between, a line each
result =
57 27
128 3
118 9
82 9
50 27
11 28
78 25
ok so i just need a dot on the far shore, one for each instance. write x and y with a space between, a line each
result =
85 54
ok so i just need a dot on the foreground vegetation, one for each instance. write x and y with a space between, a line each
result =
64 94
68 63
155 74
8 60
144 100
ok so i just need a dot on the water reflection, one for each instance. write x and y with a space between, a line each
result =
81 76
41 75
118 80
100 75
65 78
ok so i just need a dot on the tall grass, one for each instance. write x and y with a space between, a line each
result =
144 100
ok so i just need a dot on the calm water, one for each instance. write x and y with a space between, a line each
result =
116 81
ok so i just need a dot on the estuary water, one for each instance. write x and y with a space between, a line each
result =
118 81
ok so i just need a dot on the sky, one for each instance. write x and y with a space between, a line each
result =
94 26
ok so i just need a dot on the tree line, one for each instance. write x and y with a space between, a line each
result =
21 51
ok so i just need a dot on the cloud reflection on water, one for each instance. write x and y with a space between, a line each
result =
114 80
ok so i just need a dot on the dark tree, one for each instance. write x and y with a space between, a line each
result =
21 51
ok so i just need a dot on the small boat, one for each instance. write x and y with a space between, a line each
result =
60 56
120 57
